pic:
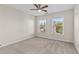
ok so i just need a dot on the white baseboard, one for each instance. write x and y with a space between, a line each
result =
16 41
77 47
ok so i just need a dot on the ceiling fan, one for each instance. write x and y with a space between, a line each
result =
40 8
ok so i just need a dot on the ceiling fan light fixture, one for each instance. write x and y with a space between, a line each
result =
39 10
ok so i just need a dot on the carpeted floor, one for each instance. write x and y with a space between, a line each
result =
39 46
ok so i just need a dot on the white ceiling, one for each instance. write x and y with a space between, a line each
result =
51 8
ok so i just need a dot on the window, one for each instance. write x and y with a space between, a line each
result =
42 25
58 25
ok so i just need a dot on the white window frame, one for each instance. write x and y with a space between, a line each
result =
44 21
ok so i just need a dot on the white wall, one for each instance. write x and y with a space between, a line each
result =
68 26
14 25
29 27
76 27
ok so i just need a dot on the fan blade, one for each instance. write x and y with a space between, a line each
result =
33 9
44 10
36 5
44 6
39 5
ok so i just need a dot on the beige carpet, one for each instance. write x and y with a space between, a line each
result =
39 46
